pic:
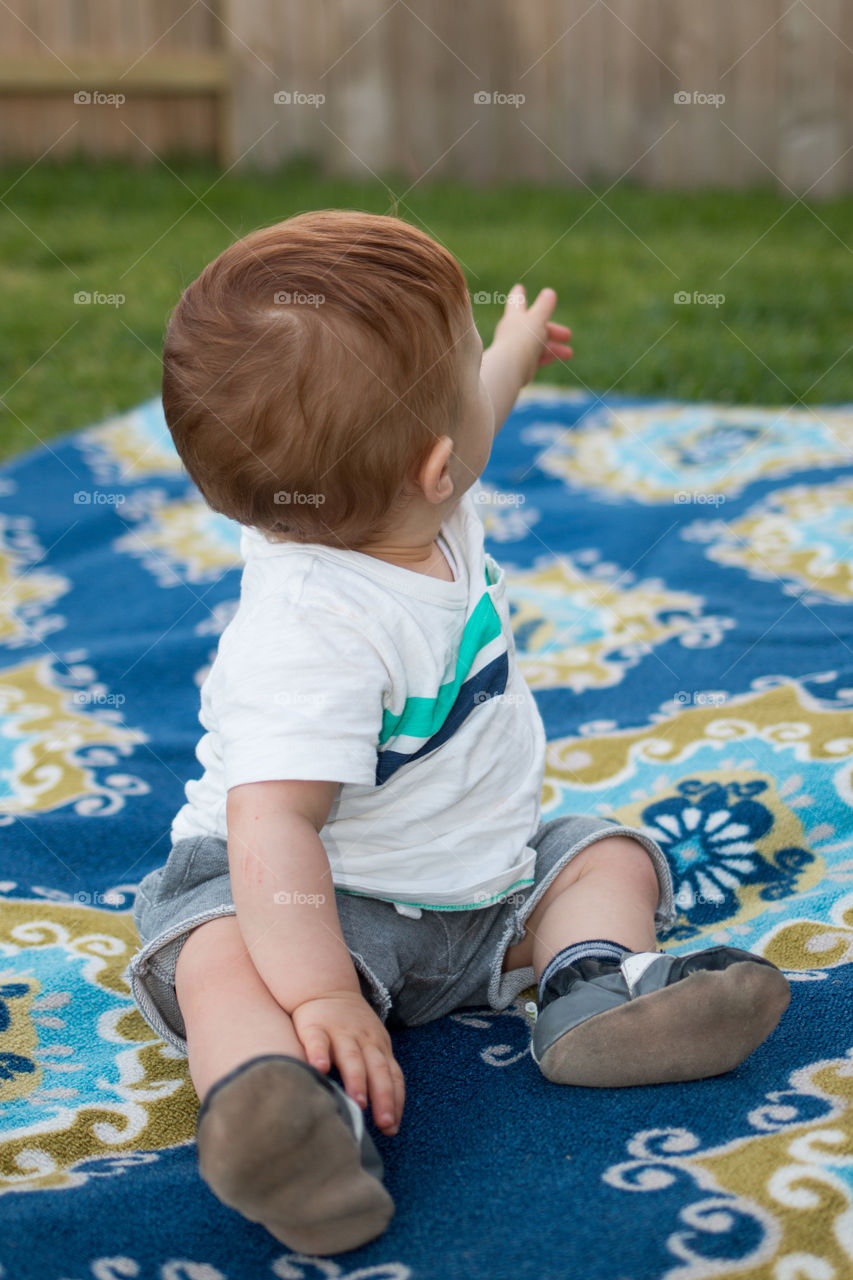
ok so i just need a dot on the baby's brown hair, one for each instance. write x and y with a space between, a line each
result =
310 367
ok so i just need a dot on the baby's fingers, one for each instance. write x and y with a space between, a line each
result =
399 1084
349 1059
544 305
315 1042
385 1082
556 345
554 351
516 299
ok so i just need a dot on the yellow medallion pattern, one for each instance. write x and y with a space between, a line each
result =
56 740
690 453
133 446
801 537
179 540
26 590
85 1085
734 794
579 626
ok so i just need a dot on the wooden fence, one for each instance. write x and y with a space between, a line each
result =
666 92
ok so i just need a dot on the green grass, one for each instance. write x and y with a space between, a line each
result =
781 335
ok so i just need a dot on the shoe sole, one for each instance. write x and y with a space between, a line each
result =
273 1146
703 1025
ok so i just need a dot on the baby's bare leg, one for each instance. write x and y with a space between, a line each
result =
276 1141
229 1013
610 890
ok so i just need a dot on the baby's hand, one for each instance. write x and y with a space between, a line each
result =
341 1028
531 332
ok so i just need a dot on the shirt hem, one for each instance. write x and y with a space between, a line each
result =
484 901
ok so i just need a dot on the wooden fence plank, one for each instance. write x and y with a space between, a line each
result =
357 101
530 74
189 73
845 98
573 104
750 82
473 65
654 88
591 69
255 63
632 89
22 29
693 148
416 86
810 130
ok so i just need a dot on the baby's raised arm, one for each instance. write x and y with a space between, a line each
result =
526 339
285 902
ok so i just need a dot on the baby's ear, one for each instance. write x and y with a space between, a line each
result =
434 479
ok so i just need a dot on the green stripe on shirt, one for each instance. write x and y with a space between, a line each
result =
422 717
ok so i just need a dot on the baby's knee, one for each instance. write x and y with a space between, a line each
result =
213 950
624 857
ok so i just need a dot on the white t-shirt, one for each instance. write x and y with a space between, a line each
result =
403 688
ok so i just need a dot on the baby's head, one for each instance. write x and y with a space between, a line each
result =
311 367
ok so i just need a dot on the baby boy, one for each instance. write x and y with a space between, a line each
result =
364 848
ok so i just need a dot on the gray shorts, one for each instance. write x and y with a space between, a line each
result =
411 970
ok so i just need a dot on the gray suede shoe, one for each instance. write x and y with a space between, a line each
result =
284 1145
655 1017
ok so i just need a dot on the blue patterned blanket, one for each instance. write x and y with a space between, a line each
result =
681 582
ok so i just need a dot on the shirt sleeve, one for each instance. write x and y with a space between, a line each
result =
300 696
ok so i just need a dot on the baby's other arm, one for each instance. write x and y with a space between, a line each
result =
525 340
285 902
